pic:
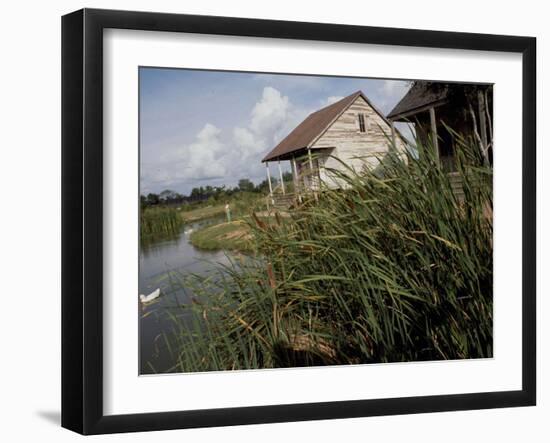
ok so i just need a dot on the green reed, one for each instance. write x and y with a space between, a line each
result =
392 267
158 221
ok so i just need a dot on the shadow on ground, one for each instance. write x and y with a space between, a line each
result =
54 417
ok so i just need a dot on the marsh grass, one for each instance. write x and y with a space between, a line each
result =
392 268
158 222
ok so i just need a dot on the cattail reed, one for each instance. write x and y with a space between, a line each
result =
396 265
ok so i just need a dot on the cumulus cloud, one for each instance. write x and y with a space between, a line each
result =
272 118
246 141
270 112
203 155
199 159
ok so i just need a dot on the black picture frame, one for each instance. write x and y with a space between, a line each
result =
82 218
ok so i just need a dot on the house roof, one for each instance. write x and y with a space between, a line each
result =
419 96
308 131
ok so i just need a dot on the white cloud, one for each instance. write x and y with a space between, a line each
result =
270 112
202 157
199 160
245 140
271 119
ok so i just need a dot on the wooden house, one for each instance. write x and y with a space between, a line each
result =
351 131
443 112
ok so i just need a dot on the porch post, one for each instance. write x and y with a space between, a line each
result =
483 125
311 173
434 133
281 177
392 133
294 173
310 166
269 182
296 179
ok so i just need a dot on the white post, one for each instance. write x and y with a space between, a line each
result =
311 173
483 124
296 179
434 133
320 172
392 134
310 168
269 182
281 177
294 173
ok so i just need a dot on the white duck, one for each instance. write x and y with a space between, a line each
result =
150 297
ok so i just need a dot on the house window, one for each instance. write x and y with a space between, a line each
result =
361 122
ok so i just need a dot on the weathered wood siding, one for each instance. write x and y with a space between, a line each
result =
357 149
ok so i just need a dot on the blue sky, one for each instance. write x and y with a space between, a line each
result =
201 128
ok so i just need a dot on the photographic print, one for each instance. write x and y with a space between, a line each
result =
304 220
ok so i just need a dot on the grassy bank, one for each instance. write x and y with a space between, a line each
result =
240 204
224 236
202 213
237 235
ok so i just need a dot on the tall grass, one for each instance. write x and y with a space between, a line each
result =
244 203
159 221
392 268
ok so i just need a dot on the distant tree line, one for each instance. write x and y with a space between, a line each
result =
205 193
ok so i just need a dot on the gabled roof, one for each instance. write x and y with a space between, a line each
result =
315 125
308 131
421 95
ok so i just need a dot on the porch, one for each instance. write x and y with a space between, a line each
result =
307 169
